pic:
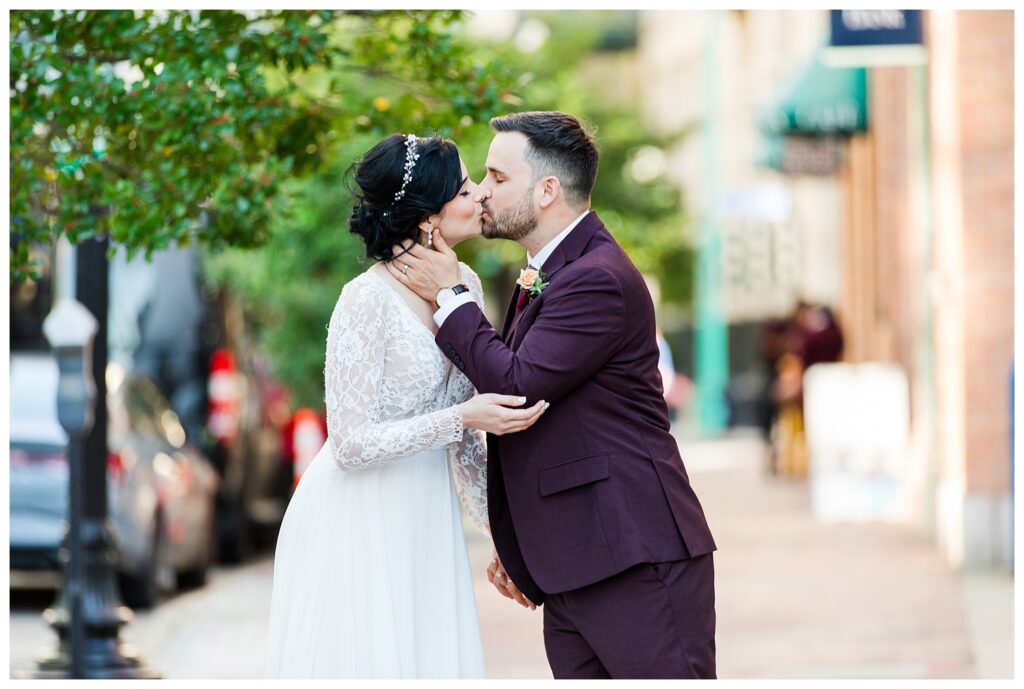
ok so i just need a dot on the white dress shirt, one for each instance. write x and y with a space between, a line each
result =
536 262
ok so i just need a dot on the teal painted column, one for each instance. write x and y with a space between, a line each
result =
711 348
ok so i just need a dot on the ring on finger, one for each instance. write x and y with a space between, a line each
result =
405 269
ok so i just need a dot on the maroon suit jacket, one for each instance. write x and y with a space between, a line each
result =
597 485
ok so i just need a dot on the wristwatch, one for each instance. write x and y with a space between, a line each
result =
446 293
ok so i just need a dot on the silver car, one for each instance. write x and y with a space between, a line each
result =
161 490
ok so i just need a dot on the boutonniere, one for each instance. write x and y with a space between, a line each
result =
532 281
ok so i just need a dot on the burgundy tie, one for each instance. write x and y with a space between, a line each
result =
523 300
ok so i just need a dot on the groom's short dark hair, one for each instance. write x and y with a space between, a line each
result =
559 145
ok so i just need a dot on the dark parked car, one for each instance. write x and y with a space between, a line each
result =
195 344
161 489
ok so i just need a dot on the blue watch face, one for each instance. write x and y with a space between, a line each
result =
459 289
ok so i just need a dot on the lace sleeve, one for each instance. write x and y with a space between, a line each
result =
476 290
354 369
468 457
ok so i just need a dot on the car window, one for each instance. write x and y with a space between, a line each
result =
164 421
33 397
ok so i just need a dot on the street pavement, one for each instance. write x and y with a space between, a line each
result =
795 598
799 599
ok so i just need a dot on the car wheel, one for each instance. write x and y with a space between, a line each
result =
193 578
144 589
233 533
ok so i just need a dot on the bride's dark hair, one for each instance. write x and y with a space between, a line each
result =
377 217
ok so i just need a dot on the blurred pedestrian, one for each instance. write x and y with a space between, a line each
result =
666 367
788 437
674 385
771 346
812 336
820 338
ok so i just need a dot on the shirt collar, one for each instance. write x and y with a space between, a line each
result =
549 248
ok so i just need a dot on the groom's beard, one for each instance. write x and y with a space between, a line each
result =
510 223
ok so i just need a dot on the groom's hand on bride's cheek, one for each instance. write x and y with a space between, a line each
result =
423 270
407 268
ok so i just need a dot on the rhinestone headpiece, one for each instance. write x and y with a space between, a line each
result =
411 156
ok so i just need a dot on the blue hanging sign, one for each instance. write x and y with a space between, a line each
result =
876 27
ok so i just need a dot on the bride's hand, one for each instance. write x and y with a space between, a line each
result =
499 414
497 575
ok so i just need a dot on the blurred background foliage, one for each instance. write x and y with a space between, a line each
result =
160 127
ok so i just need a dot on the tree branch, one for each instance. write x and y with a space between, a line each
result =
99 57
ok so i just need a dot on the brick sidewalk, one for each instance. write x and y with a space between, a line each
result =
797 599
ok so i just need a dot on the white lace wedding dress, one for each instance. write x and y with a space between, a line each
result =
371 574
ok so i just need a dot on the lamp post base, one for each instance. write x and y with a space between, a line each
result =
104 655
104 659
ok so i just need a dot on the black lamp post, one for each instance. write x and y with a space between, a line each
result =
70 329
88 614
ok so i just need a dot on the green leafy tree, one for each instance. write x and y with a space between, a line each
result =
185 126
289 286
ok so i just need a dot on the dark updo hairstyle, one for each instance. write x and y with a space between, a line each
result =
383 222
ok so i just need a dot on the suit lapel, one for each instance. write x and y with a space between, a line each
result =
569 250
516 320
510 313
573 245
514 337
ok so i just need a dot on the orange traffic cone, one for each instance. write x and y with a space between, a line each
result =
308 439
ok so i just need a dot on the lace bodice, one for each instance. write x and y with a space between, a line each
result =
391 393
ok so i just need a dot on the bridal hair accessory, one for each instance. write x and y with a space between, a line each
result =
411 156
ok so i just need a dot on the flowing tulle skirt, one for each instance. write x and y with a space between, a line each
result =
371 575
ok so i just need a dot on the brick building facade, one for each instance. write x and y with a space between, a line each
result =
924 208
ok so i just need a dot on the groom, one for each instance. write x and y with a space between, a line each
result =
591 510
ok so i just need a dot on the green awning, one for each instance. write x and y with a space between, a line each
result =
821 100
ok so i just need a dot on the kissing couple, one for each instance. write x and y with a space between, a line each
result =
552 430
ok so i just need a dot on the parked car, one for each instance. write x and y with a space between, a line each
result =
194 344
160 488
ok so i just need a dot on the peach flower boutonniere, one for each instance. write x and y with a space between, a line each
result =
532 281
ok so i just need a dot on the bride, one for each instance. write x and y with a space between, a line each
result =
371 574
